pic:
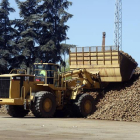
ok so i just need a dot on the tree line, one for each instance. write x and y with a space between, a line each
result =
37 36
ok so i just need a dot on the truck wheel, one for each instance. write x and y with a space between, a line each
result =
85 105
16 111
45 105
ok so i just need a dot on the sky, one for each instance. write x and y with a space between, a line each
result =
92 17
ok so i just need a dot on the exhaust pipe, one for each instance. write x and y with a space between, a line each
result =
103 41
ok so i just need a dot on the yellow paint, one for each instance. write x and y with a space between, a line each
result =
47 105
11 101
88 106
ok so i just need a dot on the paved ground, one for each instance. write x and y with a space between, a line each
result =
66 129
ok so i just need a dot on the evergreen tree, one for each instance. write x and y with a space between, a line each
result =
27 27
42 25
65 51
53 29
7 36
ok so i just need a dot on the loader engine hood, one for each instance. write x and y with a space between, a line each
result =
11 84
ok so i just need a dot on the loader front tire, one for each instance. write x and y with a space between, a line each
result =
16 111
85 105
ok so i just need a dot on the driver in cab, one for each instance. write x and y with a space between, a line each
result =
43 73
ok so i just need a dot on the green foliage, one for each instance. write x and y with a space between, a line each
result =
53 29
66 67
7 36
27 37
36 36
65 51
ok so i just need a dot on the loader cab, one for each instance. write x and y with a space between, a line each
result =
47 72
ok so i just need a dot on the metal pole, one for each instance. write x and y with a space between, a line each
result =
64 55
118 25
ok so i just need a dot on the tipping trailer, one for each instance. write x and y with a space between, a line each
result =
113 65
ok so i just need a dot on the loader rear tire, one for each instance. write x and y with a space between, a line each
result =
85 105
44 105
16 111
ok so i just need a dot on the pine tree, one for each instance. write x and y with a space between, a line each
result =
27 27
53 31
42 25
7 36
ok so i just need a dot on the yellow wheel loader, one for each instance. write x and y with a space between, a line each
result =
47 91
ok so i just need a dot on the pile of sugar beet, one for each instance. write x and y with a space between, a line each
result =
121 101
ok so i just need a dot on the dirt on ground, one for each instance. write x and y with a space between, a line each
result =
30 128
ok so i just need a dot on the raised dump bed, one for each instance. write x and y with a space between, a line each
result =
112 64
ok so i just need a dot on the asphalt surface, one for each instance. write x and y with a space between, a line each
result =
31 128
